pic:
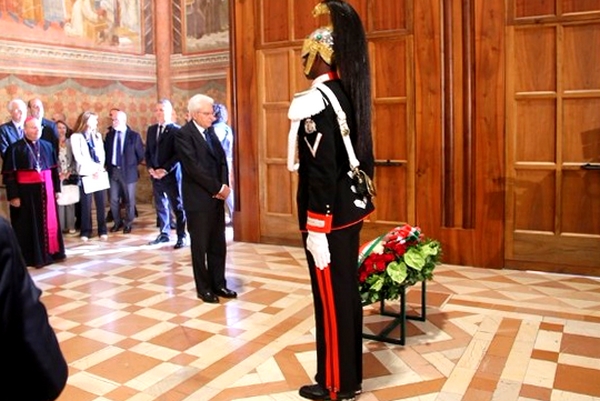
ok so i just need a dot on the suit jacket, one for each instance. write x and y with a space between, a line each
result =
163 154
204 170
50 133
28 345
133 154
8 135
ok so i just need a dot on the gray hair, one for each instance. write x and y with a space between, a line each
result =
197 101
12 103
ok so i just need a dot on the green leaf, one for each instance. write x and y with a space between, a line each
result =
414 258
377 285
431 248
397 271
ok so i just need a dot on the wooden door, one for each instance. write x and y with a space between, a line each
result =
553 136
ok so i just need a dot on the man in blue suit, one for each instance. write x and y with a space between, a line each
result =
165 172
124 152
12 131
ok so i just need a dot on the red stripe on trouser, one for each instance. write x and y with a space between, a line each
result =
332 368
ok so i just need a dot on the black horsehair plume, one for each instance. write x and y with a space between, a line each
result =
351 58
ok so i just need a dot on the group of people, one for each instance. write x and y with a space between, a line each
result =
43 160
329 139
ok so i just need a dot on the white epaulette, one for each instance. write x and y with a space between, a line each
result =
306 104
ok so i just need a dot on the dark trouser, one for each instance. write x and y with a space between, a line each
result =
338 312
168 193
119 189
86 212
209 248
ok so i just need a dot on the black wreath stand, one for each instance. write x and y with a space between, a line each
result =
399 318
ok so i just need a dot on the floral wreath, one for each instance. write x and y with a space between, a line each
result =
399 258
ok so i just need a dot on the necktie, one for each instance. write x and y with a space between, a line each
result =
159 132
208 140
119 149
20 129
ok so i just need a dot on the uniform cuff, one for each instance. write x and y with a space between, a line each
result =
320 223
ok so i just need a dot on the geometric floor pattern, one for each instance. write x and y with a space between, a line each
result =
132 329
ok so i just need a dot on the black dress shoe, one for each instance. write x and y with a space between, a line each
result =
208 296
316 392
225 292
179 244
160 239
116 227
127 230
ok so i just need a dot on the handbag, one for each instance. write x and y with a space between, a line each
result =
69 194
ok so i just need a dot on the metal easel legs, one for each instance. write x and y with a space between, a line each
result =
399 318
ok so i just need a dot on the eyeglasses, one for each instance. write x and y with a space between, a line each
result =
206 113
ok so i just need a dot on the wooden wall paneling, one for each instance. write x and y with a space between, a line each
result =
275 21
579 6
302 22
245 109
385 18
531 8
428 117
488 130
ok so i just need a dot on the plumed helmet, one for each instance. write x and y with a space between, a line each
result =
318 42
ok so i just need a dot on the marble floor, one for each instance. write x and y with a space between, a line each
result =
132 329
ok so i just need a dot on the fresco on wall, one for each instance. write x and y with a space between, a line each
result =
206 25
107 25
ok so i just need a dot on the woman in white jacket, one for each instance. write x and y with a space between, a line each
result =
88 151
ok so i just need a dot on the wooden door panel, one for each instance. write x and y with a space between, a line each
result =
390 132
535 134
534 204
274 21
534 59
392 205
581 204
582 67
581 130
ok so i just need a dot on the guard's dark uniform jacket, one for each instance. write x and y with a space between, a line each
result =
325 201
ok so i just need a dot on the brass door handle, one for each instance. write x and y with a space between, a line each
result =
389 163
591 166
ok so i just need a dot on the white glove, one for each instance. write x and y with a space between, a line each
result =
317 245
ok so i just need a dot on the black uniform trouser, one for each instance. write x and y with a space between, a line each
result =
338 313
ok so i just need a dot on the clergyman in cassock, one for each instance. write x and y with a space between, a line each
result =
30 173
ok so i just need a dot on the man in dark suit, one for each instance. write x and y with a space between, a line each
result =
49 130
165 172
205 187
28 344
12 131
124 152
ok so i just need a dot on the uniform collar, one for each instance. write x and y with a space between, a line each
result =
331 75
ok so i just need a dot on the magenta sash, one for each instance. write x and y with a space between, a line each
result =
52 226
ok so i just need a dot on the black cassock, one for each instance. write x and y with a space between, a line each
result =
30 173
